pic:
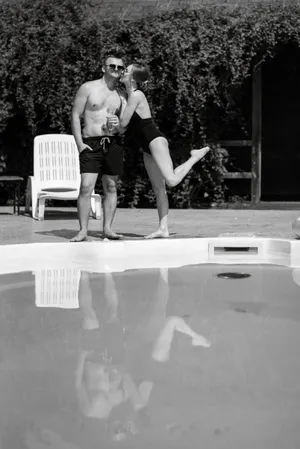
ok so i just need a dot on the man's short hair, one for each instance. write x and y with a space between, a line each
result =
113 55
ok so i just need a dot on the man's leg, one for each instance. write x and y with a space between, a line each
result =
162 202
111 311
109 183
88 181
90 319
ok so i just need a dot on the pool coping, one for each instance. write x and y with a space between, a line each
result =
101 257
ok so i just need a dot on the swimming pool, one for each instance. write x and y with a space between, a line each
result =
138 345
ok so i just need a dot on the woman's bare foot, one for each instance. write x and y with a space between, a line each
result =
199 340
80 237
199 154
159 234
110 235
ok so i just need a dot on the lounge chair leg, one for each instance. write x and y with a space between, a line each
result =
41 208
34 208
98 208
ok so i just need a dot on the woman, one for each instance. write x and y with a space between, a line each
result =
158 163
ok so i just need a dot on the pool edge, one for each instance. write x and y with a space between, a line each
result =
138 254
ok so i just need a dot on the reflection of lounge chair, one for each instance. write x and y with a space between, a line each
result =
57 288
56 174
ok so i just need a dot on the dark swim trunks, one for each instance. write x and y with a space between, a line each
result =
106 157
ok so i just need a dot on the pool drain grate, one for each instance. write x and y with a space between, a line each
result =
233 275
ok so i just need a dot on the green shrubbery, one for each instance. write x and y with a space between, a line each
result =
200 61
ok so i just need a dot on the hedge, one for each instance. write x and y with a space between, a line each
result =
201 63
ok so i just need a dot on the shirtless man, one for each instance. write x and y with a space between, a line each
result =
99 144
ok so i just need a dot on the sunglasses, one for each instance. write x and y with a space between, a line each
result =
119 68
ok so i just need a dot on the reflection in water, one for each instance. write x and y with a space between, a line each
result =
115 337
57 288
105 378
115 369
99 374
296 275
46 439
102 381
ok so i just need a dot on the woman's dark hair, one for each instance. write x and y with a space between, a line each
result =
140 73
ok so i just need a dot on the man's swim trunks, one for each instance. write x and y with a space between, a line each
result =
106 157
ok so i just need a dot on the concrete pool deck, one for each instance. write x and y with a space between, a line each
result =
61 224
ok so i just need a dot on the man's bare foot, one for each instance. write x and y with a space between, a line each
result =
80 237
199 154
159 234
110 235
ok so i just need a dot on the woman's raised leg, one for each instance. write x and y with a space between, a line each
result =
159 148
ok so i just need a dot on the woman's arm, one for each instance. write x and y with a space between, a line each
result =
120 130
133 393
134 99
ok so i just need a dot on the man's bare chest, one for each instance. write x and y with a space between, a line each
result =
99 100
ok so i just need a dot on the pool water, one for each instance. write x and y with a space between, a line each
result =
173 357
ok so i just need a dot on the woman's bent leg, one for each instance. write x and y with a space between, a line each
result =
159 148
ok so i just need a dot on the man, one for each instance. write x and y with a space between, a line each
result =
99 143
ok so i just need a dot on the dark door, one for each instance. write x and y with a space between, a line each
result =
281 126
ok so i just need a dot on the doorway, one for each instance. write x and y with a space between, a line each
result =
281 126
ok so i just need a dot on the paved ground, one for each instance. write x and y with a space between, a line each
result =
61 224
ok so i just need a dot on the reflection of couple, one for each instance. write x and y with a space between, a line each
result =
106 382
107 112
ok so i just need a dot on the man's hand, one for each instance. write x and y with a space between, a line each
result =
112 122
84 147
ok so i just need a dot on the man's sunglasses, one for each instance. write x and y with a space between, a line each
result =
119 68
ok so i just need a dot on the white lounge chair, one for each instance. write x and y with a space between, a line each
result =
57 288
56 174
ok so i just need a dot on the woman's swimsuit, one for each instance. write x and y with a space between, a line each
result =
143 131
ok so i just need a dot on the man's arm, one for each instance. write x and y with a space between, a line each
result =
77 111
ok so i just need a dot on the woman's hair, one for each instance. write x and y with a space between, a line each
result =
140 73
